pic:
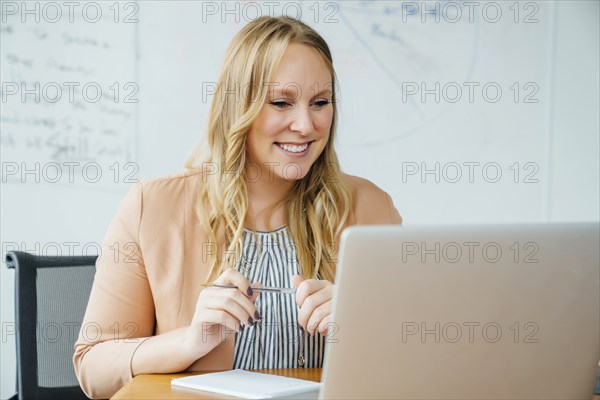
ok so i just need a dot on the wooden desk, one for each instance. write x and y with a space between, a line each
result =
158 386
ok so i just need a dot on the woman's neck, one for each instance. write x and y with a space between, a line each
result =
263 194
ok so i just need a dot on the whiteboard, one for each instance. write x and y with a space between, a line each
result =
390 130
69 93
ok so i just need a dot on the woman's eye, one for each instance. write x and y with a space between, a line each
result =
285 104
321 103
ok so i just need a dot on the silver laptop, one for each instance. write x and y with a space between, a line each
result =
466 312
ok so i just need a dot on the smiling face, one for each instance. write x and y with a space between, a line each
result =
293 127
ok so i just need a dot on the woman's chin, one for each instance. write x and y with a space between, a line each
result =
291 177
294 171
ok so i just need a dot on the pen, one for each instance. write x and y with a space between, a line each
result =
268 289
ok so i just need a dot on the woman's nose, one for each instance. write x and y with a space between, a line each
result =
302 121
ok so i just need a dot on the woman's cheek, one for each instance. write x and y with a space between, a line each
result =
323 123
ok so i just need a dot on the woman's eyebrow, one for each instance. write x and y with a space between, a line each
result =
288 92
291 91
328 92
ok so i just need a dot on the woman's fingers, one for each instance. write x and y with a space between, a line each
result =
233 277
318 315
307 288
314 298
326 325
233 303
236 303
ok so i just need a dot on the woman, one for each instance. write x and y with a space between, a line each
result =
266 206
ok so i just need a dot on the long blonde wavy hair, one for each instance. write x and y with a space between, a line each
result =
318 205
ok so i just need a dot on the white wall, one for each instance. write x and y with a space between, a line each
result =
573 143
170 52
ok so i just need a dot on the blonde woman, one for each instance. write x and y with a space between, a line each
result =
265 206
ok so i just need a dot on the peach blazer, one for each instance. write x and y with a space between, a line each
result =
148 276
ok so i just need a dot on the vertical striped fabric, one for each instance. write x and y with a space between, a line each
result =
275 341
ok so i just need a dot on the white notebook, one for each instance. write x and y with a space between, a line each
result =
250 385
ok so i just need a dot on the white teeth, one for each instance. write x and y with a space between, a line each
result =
293 149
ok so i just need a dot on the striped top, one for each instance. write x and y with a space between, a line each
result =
275 341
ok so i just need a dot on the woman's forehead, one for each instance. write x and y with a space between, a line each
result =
301 61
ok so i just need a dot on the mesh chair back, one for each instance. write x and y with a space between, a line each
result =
51 295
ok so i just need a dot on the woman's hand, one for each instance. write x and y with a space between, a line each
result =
314 297
221 311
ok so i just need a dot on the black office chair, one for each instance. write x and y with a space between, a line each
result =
51 295
597 389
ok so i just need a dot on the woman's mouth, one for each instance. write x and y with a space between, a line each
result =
294 149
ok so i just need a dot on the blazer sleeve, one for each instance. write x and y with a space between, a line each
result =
371 204
120 311
395 217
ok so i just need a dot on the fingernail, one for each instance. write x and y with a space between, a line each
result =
250 291
250 321
256 315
